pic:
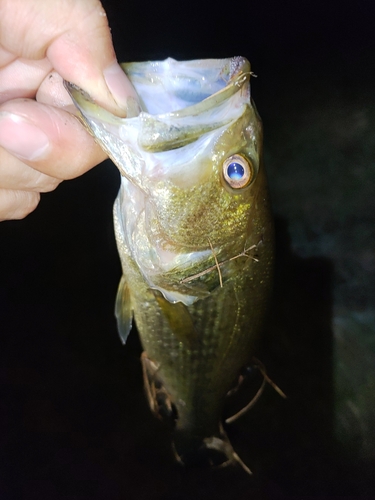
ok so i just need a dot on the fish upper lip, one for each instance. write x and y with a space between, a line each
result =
238 72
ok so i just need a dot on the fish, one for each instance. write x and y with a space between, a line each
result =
194 231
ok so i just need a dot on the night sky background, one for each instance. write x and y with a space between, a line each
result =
74 422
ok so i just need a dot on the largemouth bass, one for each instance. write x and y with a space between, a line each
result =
194 233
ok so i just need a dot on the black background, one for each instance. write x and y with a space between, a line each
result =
74 420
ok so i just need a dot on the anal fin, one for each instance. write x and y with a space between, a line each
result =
158 398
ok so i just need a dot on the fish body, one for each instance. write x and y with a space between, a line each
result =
194 233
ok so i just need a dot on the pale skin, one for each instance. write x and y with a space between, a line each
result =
41 142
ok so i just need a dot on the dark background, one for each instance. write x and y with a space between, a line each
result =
74 420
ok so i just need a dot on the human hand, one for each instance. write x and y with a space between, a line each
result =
41 143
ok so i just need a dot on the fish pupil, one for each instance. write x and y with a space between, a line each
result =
235 171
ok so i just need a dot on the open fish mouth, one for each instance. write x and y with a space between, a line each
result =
179 103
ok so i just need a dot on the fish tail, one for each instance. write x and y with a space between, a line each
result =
213 451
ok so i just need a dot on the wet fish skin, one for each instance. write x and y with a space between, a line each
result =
197 254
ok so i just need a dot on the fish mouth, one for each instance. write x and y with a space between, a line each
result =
172 86
180 102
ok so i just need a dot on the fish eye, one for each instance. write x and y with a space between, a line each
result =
237 171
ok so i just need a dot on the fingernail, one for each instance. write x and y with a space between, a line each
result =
119 85
22 138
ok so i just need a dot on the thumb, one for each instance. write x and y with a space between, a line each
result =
75 37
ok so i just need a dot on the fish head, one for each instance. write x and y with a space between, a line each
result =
203 191
189 156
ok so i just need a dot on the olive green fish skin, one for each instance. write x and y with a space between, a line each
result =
228 323
197 254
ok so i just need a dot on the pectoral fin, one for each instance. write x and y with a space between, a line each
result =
123 310
179 320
